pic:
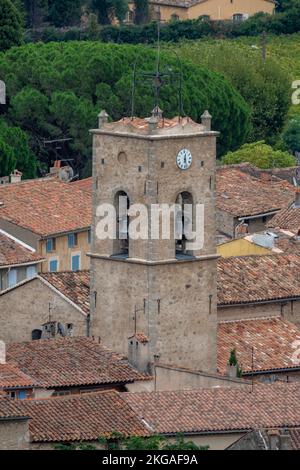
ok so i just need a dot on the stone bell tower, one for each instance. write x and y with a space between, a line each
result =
152 299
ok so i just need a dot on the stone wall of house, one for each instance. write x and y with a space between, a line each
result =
14 434
289 310
26 307
225 223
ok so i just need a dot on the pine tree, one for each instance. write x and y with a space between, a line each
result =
141 8
10 25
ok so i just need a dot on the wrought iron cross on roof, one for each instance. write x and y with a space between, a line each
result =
158 78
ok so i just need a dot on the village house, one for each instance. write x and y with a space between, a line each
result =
14 383
271 241
18 261
172 10
56 301
218 418
246 204
259 286
51 216
266 349
64 366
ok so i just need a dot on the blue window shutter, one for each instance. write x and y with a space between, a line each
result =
71 240
22 394
31 272
49 245
12 278
53 265
75 263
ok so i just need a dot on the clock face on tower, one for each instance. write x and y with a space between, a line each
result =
184 159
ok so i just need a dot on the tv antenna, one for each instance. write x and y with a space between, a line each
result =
158 78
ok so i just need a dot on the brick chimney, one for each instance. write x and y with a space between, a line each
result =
2 352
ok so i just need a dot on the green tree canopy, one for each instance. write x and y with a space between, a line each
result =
141 9
261 155
265 87
15 152
291 135
57 90
108 9
10 25
64 13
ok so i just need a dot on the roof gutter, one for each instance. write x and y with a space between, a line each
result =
257 216
260 302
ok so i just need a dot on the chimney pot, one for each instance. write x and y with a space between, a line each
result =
206 120
2 352
102 118
16 176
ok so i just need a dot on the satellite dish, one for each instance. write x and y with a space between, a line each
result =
66 174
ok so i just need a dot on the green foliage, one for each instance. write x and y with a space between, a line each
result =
232 358
264 87
64 13
15 152
10 25
261 155
119 442
141 9
291 135
108 9
56 90
35 12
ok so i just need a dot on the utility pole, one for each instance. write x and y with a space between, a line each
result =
264 43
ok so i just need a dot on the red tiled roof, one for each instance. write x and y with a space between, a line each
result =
14 253
242 195
77 417
67 362
10 408
74 285
287 219
258 278
85 184
219 409
273 341
295 436
12 377
46 206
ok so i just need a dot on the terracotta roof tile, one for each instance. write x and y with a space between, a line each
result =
295 436
14 253
85 184
10 408
74 285
12 377
66 362
219 409
287 219
46 206
272 340
258 278
77 417
242 195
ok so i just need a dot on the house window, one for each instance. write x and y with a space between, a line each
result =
75 262
238 17
53 265
22 394
175 17
12 278
72 240
31 272
50 245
